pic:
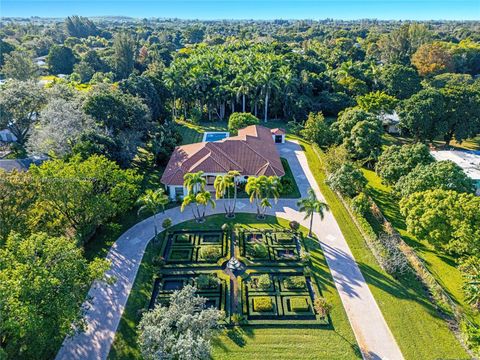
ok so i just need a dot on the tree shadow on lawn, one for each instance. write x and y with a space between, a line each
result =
406 286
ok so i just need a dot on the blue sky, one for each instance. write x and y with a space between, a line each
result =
250 9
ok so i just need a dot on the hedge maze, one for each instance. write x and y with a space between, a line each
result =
275 288
195 247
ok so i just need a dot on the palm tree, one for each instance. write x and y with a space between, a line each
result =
254 189
194 182
268 82
223 184
152 202
261 189
311 205
202 198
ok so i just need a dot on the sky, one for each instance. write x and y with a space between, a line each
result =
249 9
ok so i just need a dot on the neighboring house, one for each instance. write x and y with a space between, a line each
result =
252 153
6 136
20 164
469 161
390 122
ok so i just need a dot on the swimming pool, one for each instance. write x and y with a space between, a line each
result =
215 136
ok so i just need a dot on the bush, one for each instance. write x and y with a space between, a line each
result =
240 120
294 225
210 253
348 180
166 223
263 282
259 251
206 282
294 282
322 307
361 204
262 304
299 305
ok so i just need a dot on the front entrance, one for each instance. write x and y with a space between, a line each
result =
278 139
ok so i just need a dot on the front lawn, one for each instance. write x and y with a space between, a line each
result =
416 325
285 340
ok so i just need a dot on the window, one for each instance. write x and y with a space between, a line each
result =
178 191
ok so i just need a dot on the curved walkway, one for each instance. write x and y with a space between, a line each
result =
103 316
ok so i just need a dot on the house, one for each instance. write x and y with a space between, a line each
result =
469 161
390 122
252 153
20 164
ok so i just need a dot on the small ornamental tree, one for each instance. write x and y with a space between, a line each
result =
317 130
348 180
240 120
180 331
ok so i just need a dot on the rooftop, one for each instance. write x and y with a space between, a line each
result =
251 152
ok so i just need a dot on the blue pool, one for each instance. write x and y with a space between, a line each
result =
215 136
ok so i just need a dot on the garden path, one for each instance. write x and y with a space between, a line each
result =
105 311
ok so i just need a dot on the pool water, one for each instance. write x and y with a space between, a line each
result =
215 136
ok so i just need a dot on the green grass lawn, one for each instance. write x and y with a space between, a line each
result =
441 265
469 144
249 342
413 320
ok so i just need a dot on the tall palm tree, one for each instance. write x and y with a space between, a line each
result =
269 82
152 202
311 205
194 182
261 189
201 198
254 189
223 185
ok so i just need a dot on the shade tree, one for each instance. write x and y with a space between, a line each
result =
180 331
43 282
445 218
348 180
397 161
444 175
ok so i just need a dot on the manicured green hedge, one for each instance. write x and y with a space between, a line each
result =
262 304
299 304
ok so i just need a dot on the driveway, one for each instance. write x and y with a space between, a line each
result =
103 316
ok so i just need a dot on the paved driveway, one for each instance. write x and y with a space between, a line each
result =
103 316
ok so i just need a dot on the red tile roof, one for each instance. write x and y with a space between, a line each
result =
252 152
278 131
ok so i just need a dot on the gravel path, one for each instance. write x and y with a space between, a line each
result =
103 316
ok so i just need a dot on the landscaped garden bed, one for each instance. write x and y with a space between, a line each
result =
195 247
269 246
285 317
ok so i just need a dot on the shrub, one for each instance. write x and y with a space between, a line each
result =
294 225
262 304
259 251
210 253
166 223
348 180
206 282
263 282
361 203
237 319
322 307
299 304
294 282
